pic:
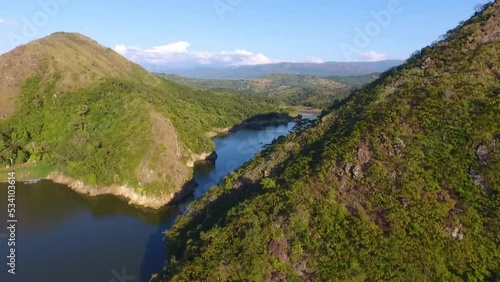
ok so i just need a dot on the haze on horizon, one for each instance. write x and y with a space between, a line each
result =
215 33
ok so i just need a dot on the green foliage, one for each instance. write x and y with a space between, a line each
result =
26 172
397 182
289 89
268 183
100 134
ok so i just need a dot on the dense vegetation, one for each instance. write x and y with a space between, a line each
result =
398 182
287 89
101 132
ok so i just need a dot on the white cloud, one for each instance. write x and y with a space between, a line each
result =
315 60
372 56
179 54
5 21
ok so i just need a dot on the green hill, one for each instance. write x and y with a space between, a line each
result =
398 182
81 108
290 89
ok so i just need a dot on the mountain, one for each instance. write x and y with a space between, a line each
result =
290 89
397 182
310 69
104 122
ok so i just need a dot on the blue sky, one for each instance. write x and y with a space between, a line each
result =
236 32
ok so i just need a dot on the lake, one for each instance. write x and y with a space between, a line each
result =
65 236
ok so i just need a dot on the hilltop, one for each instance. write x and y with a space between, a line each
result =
397 182
101 121
75 59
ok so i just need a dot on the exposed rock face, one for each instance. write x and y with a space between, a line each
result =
426 64
357 172
278 248
482 153
455 232
348 168
363 155
301 269
277 277
477 177
205 157
354 171
124 191
398 147
489 32
163 161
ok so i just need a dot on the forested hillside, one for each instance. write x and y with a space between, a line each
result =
288 89
92 115
398 182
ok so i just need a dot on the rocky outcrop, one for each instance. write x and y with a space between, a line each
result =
455 232
477 177
203 157
124 191
482 153
278 248
489 31
363 155
398 147
426 64
354 170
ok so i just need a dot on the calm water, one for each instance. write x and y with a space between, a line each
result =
65 236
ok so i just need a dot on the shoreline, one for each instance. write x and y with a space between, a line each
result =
216 132
28 172
122 191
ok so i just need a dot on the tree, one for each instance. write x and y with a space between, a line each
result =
479 7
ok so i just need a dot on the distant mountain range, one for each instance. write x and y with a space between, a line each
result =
312 69
290 89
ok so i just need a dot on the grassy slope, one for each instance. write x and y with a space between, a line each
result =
294 90
97 117
398 182
27 172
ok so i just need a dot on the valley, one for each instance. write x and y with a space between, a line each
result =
288 89
116 235
121 129
399 181
289 160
